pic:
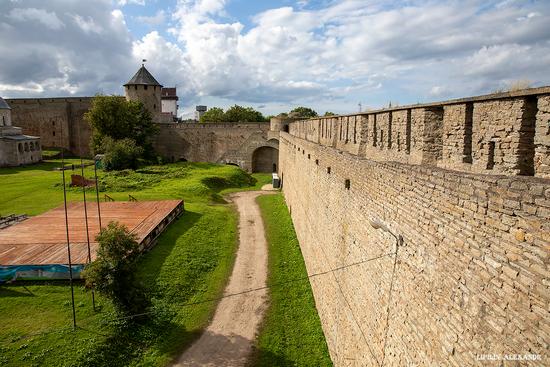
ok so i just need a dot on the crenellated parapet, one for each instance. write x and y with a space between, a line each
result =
504 133
426 230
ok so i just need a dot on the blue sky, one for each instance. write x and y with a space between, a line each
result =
235 11
276 55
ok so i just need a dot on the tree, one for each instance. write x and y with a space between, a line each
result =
113 273
215 114
238 113
328 113
304 112
235 113
117 118
120 154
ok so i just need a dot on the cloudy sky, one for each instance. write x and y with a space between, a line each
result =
275 54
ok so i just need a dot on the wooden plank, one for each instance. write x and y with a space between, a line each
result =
41 240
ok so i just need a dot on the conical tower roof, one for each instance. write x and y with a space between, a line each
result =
4 105
143 77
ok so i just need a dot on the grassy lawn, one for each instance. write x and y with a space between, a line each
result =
189 265
291 334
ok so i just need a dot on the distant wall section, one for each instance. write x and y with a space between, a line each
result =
59 122
230 143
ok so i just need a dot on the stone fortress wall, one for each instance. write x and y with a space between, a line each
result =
59 122
232 143
466 183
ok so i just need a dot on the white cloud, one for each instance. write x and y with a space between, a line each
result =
91 54
331 55
423 48
86 24
438 90
126 2
49 19
155 20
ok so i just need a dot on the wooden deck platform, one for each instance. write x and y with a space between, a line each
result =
41 240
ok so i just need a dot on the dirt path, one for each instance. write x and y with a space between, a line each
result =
229 338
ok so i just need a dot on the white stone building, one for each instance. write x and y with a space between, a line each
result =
169 101
15 148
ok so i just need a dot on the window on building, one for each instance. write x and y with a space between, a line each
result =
53 133
135 87
145 87
347 184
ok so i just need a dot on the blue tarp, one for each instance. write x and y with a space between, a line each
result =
37 272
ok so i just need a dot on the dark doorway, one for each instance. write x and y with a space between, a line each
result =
265 159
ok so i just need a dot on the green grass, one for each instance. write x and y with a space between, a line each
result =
261 180
291 334
188 267
35 189
51 153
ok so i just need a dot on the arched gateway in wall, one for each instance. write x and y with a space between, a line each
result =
251 146
265 159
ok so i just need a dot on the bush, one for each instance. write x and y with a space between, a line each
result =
120 154
113 272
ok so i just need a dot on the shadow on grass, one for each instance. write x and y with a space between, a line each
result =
131 342
5 291
220 350
128 346
150 265
43 166
123 346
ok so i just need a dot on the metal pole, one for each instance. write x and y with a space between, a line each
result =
85 209
97 195
67 231
86 221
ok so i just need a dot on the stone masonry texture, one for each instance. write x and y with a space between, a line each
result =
472 277
466 183
59 122
222 143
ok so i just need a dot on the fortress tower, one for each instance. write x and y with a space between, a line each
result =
145 88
